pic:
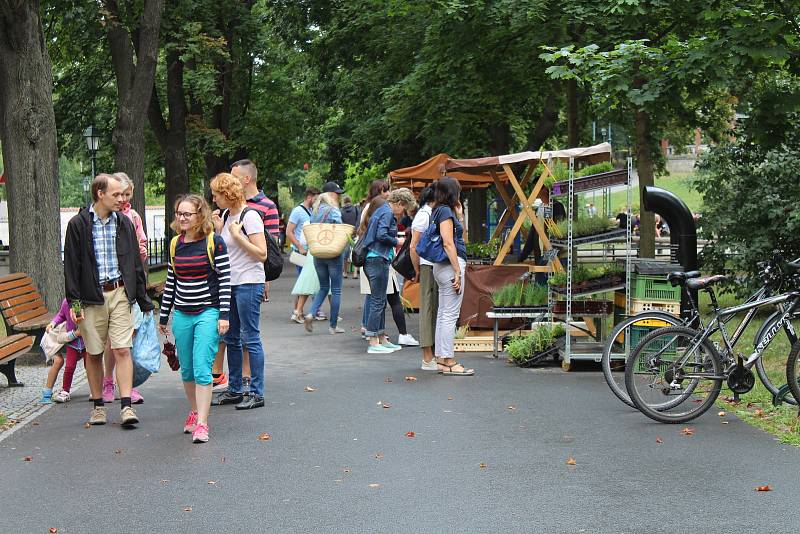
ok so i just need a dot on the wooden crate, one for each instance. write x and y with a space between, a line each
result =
475 344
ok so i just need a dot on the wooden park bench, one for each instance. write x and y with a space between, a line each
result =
24 314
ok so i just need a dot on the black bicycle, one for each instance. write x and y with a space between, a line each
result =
676 373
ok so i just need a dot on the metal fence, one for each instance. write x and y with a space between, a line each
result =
157 252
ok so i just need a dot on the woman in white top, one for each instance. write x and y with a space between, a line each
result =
243 231
428 289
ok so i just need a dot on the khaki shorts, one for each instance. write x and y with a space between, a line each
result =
112 320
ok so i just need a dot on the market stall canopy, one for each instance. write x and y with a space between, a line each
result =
481 166
419 176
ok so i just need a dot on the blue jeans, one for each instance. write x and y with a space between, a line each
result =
244 318
377 272
329 272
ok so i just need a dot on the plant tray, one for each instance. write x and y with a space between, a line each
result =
512 310
593 181
551 352
611 235
592 286
651 267
475 344
589 307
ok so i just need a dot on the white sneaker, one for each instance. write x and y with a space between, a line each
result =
296 318
407 340
61 396
337 330
429 366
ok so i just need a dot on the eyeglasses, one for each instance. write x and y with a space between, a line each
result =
185 214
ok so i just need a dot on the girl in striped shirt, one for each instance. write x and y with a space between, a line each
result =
199 289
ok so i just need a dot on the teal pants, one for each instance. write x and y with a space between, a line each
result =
196 340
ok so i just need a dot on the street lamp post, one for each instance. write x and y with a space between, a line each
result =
92 136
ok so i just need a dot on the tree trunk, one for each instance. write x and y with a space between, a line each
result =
134 85
172 139
546 123
644 167
30 150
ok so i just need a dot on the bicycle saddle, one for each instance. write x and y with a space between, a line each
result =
678 278
705 282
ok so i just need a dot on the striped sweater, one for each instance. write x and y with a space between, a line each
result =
193 285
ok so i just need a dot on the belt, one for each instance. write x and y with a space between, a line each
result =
112 285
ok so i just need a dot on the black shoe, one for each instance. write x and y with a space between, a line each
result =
250 402
246 386
226 397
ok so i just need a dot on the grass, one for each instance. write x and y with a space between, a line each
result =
678 183
2 419
755 407
157 277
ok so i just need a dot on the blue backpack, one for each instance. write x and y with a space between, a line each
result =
430 246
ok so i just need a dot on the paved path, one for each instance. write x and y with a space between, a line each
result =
337 461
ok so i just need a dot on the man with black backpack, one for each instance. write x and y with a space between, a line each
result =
350 215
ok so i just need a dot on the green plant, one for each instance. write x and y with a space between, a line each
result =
520 294
522 348
487 250
582 273
584 226
597 168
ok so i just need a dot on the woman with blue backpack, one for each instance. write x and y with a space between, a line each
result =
443 245
198 292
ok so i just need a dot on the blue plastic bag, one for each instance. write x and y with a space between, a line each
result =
146 350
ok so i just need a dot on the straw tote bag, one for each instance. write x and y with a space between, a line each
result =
327 240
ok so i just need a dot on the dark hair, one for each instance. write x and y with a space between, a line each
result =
427 195
377 188
100 183
311 192
447 192
374 204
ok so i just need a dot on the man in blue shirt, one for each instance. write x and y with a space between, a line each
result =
294 232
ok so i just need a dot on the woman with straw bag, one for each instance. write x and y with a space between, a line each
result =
327 238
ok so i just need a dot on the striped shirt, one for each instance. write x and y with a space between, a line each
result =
104 239
268 212
193 285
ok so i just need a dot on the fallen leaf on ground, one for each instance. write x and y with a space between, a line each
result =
212 482
385 405
378 456
35 423
724 422
511 408
387 380
87 425
346 470
571 461
764 488
374 485
411 379
187 509
117 451
759 413
222 460
659 441
28 459
310 389
164 482
482 465
410 434
52 530
449 398
687 431
264 437
722 414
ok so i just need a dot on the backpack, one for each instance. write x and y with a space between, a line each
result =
173 246
350 215
273 265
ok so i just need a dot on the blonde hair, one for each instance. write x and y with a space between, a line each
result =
124 179
326 198
203 223
403 196
230 187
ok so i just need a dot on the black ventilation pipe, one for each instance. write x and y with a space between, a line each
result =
682 230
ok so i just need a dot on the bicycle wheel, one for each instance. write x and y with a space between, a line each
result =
793 370
615 352
762 372
673 376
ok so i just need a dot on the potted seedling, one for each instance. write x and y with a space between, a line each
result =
519 296
542 342
77 310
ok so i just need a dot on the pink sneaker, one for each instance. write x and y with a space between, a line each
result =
200 434
108 390
191 423
136 397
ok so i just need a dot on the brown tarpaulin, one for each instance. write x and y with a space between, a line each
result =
481 282
419 176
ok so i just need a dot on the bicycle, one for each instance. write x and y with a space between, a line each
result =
676 364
